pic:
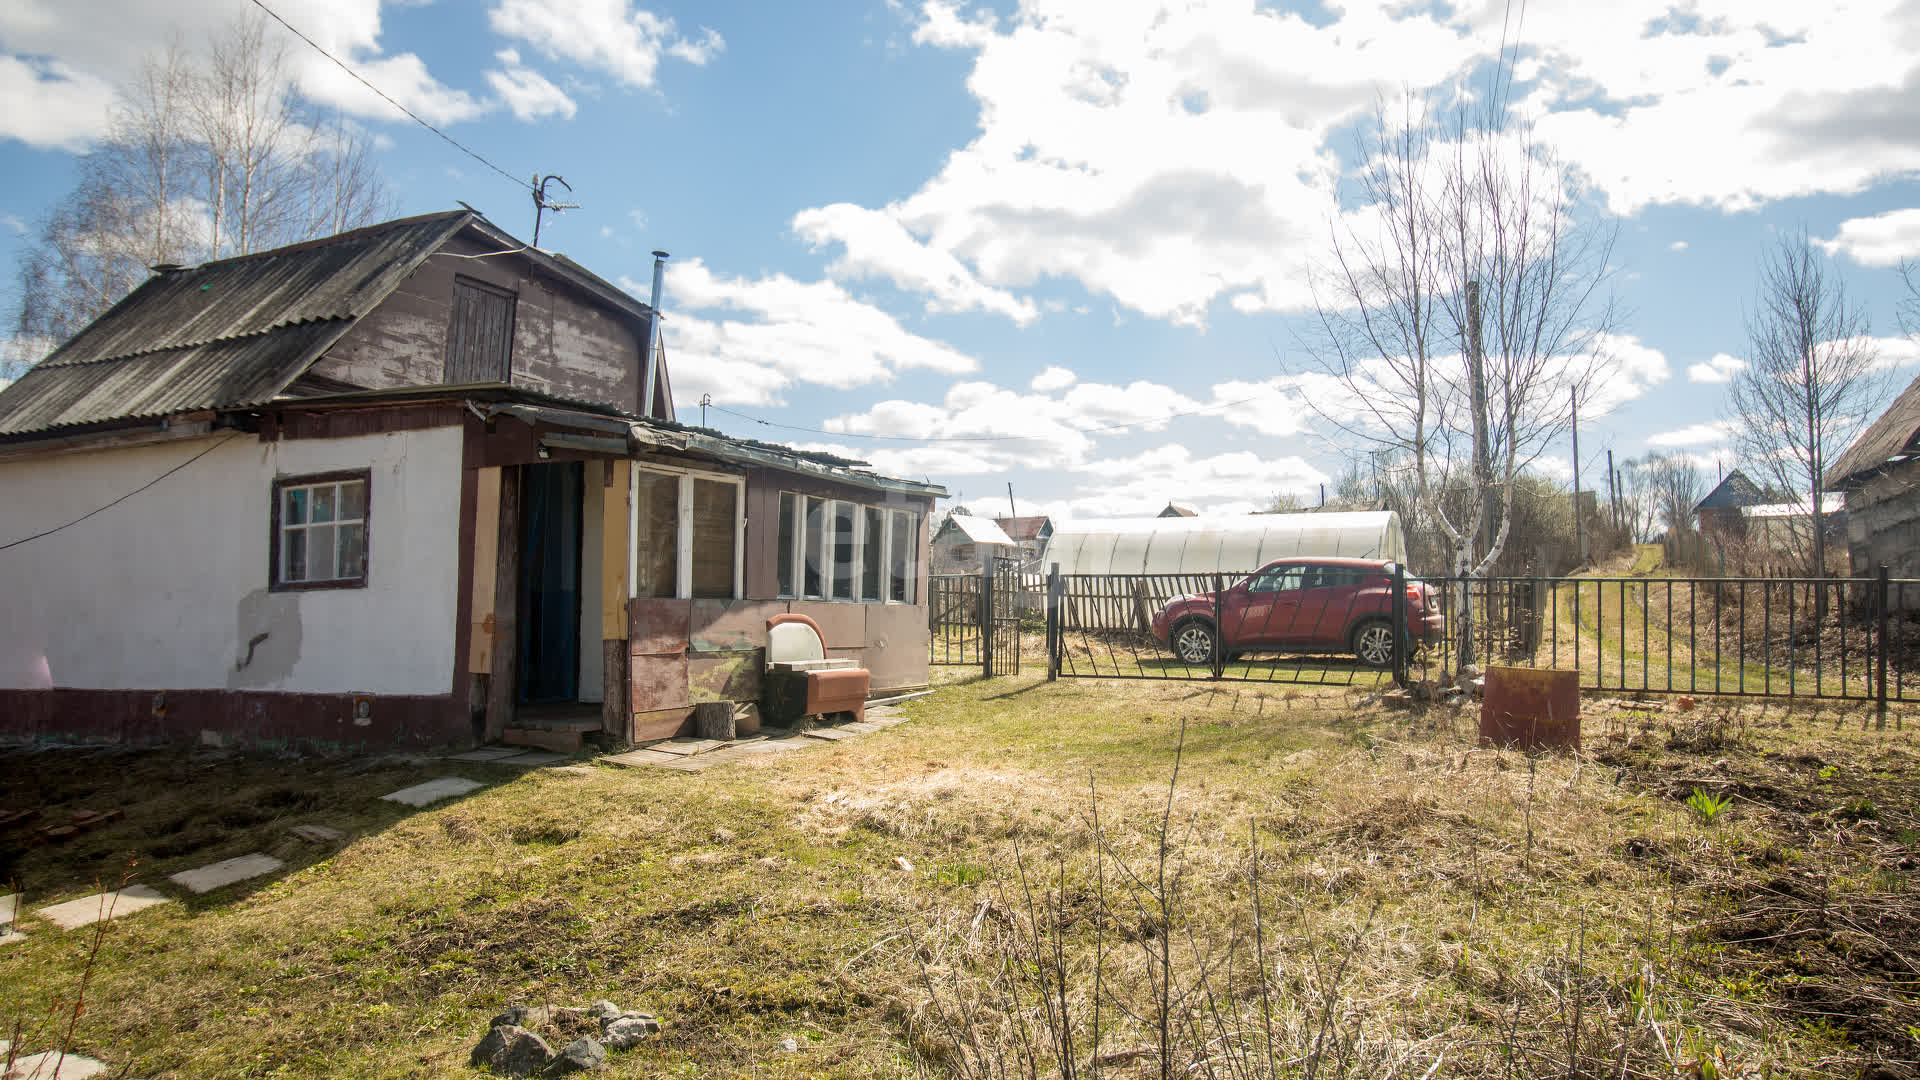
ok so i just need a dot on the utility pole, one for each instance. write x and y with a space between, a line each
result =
1011 512
1579 534
1613 492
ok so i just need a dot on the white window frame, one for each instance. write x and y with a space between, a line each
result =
683 568
829 510
283 489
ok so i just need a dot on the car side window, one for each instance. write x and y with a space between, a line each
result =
1265 581
1283 579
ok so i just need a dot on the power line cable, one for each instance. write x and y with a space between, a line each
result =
411 115
121 499
983 438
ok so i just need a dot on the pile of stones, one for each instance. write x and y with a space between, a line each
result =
520 1041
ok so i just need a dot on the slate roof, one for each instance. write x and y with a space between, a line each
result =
1023 528
1893 437
1733 492
979 530
226 333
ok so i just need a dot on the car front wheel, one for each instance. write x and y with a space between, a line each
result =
1193 642
1373 644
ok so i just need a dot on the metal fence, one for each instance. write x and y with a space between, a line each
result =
1835 638
954 620
1829 638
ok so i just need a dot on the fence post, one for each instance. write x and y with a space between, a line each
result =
1882 616
1401 630
986 619
1219 627
1053 622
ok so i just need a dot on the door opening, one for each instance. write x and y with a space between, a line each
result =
549 621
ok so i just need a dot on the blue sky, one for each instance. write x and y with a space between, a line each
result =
911 219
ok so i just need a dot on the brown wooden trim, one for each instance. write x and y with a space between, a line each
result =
503 684
281 483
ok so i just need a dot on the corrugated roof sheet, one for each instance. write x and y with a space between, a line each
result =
1025 527
1735 491
228 333
1896 434
979 530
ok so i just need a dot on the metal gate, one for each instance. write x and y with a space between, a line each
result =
954 619
1003 605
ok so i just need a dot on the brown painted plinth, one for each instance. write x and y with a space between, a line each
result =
1531 709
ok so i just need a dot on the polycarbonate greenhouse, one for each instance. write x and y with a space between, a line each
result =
1232 545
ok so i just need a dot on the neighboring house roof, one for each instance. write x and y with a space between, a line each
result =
1735 491
1025 528
240 331
1892 438
1176 510
979 530
1830 503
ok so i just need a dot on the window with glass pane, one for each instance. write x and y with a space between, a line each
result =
657 527
789 525
872 553
320 532
900 559
843 550
713 539
815 553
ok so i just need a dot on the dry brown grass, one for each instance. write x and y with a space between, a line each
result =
1424 907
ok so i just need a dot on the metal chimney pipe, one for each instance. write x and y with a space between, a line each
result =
653 336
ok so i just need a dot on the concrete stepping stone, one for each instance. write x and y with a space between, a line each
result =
530 758
226 872
487 753
861 727
831 734
686 747
433 791
111 905
318 834
649 757
53 1064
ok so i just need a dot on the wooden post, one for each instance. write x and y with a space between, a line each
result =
616 517
503 686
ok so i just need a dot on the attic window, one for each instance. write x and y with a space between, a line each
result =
320 531
480 333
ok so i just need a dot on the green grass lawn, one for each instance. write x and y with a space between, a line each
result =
1328 886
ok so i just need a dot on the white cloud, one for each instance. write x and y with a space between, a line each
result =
1710 432
1053 378
1677 245
51 105
1234 482
1889 352
787 331
1721 368
1881 240
612 36
528 93
878 245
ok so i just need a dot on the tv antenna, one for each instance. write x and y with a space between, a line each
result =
541 204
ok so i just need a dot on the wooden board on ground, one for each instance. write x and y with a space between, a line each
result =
687 747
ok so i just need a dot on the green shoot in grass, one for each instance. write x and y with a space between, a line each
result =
1707 806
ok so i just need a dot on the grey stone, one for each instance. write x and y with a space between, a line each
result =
624 1032
91 909
515 1016
579 1055
433 791
511 1050
318 834
605 1010
53 1064
226 872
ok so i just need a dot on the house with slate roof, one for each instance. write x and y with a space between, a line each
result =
1879 476
418 484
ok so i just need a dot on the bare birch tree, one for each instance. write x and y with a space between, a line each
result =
209 153
1463 314
1811 383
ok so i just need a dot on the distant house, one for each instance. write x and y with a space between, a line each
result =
1031 533
964 544
1879 477
1176 510
411 486
1720 511
1785 526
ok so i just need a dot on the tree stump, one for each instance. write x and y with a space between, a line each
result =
713 720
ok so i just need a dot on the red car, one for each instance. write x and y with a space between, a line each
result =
1313 605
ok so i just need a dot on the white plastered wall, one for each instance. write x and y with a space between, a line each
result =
168 590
